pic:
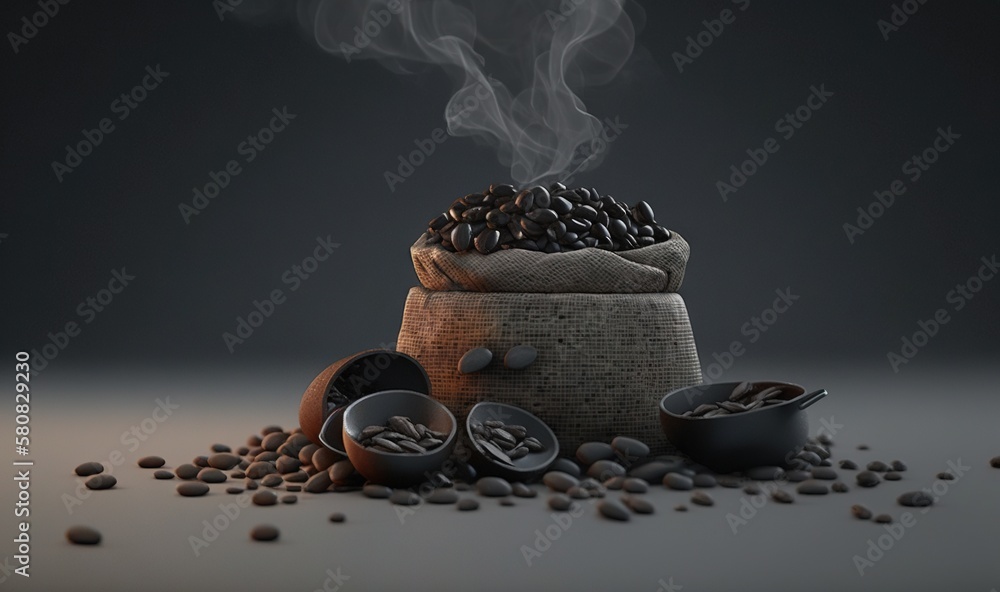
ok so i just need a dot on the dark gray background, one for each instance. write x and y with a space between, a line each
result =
324 176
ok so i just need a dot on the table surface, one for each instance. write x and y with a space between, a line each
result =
926 417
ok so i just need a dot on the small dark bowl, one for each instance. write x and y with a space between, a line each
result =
397 469
768 436
347 380
527 467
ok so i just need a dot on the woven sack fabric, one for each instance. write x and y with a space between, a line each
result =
656 268
604 360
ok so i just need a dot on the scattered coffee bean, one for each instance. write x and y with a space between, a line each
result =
264 497
848 465
729 481
916 499
946 476
860 512
614 483
995 462
267 456
877 466
467 505
883 519
567 466
560 502
867 479
493 487
680 508
702 499
635 485
376 491
639 505
603 469
237 475
89 468
404 497
752 489
443 495
590 452
192 489
151 462
782 497
559 481
318 483
289 499
101 481
863 447
324 458
578 492
825 439
678 481
522 490
258 470
200 461
234 490
797 476
223 461
892 476
273 480
338 517
293 488
812 487
264 532
163 474
825 473
704 480
840 487
614 510
898 466
82 535
810 457
250 484
630 447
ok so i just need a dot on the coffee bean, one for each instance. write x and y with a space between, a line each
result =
265 497
765 473
916 499
825 473
82 535
653 471
338 517
860 512
560 502
614 510
995 462
404 497
797 476
200 461
945 476
521 490
493 487
264 533
520 357
603 469
892 476
678 481
751 489
289 499
883 519
702 499
825 439
863 447
267 456
559 481
250 484
474 360
567 466
867 479
782 497
639 505
297 477
223 460
234 490
293 488
163 474
287 464
318 483
839 487
210 475
614 483
342 471
848 465
467 505
810 457
273 480
443 495
590 452
630 447
89 468
101 481
272 441
812 487
192 489
728 481
578 492
151 462
818 450
634 485
878 466
704 480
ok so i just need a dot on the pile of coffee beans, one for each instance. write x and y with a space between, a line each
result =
551 220
399 435
745 397
504 443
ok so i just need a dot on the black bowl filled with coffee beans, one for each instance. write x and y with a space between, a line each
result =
551 220
507 441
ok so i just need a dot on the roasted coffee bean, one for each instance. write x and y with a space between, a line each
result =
297 477
615 483
521 490
273 480
234 490
639 505
614 510
186 471
578 492
590 452
210 475
287 464
995 462
151 462
264 533
634 485
318 483
442 495
404 497
728 481
848 465
493 487
812 487
883 519
250 485
223 461
629 447
267 456
818 450
892 476
101 481
265 497
89 468
867 479
810 457
860 512
82 535
702 499
338 517
272 441
898 466
946 476
163 474
257 470
200 461
797 476
916 499
678 481
289 499
839 487
603 469
192 489
467 505
751 489
560 502
863 447
559 481
293 488
878 466
474 360
825 473
704 480
567 466
782 497
653 471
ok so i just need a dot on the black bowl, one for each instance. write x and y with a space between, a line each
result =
770 435
390 468
525 468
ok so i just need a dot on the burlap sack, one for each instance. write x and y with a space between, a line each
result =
604 360
656 268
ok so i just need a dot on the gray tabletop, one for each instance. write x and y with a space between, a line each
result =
932 418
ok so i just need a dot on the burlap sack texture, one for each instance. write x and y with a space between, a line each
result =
604 358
